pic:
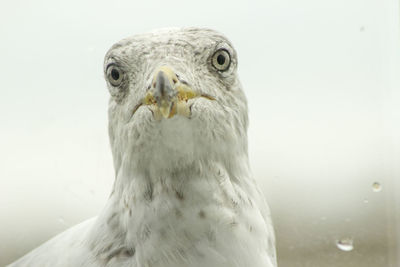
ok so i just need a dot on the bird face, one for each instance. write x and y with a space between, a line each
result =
175 98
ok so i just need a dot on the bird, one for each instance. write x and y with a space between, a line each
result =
183 194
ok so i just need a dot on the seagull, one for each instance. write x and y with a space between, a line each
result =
183 195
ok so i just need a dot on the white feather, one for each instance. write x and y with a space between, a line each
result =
183 194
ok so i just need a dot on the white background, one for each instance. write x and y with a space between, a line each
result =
322 80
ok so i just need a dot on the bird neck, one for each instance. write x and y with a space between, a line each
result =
146 202
141 183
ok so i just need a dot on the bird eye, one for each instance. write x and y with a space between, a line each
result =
114 75
221 60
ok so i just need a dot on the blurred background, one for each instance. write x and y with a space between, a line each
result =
322 81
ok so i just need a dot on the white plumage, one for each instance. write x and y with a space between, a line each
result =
183 194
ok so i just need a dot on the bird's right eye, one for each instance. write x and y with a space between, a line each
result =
114 75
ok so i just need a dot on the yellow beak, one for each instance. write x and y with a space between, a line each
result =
167 95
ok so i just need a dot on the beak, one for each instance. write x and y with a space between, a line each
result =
164 91
168 96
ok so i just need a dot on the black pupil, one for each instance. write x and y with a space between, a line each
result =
221 59
115 74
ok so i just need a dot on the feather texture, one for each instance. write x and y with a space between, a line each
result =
183 192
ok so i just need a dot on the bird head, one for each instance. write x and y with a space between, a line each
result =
175 99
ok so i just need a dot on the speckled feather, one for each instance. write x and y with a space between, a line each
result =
183 194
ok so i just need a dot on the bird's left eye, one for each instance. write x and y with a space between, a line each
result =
221 60
114 75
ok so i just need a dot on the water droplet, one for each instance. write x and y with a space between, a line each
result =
362 28
366 201
323 218
345 244
376 187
